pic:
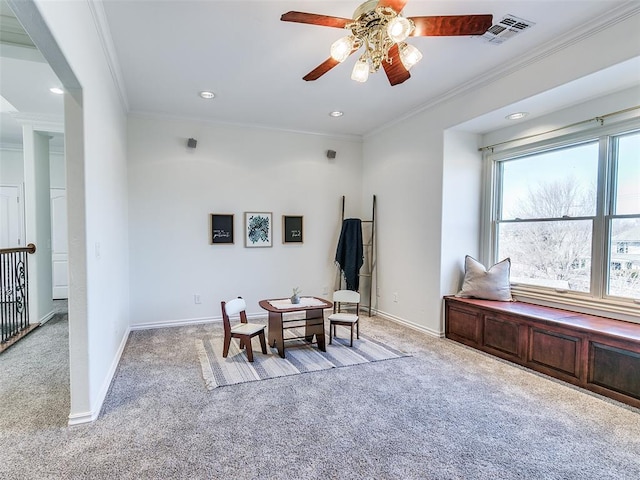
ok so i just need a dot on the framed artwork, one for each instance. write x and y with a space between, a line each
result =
292 229
258 229
221 228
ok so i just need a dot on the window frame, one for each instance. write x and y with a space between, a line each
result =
602 221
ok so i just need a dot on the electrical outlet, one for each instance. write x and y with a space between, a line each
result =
196 298
325 290
377 291
395 297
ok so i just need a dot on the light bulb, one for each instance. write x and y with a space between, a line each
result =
409 55
341 48
360 71
399 28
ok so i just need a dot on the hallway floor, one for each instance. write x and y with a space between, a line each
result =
34 391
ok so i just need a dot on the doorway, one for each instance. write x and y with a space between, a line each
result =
24 70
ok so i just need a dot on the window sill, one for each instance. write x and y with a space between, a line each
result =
628 311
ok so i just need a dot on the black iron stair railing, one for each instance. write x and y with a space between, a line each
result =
14 294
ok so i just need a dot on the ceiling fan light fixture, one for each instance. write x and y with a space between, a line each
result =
399 28
360 71
341 48
379 27
409 55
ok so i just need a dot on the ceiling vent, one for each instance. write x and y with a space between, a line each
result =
506 28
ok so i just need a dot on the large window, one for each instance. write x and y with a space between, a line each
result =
568 216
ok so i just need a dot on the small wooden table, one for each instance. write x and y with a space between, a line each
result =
313 321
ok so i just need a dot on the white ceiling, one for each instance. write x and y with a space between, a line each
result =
167 51
25 80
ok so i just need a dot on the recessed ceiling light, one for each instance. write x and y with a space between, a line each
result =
56 90
516 116
206 94
336 113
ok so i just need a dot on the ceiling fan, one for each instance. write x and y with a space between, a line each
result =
379 27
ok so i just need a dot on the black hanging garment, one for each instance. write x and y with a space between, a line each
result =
349 254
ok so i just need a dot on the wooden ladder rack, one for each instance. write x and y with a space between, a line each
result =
368 246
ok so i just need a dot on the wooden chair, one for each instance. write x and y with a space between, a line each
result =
344 298
244 331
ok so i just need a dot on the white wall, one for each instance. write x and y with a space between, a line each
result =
461 210
11 166
403 166
57 170
173 189
408 161
95 145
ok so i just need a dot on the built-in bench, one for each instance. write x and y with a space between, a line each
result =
596 353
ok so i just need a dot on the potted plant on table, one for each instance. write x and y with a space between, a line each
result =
295 298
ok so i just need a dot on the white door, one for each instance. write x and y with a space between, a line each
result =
59 243
11 217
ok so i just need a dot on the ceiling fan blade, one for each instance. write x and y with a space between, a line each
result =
446 25
395 5
321 69
315 19
396 73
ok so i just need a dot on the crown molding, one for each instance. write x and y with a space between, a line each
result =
18 147
40 121
11 147
106 41
576 35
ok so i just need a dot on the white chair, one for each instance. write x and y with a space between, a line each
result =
244 331
344 298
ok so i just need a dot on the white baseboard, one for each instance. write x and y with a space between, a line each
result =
407 323
174 323
190 321
47 317
261 316
92 415
80 418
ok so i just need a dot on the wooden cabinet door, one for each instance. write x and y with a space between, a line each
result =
463 325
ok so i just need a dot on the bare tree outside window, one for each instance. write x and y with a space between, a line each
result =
552 253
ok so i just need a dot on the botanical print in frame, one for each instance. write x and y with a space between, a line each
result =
292 229
221 228
258 227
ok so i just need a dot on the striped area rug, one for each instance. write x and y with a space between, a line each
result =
218 371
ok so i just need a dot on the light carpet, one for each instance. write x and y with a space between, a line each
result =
300 358
447 412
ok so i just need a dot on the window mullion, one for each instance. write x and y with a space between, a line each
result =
494 197
601 225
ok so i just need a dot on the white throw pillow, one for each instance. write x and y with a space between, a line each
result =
492 284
